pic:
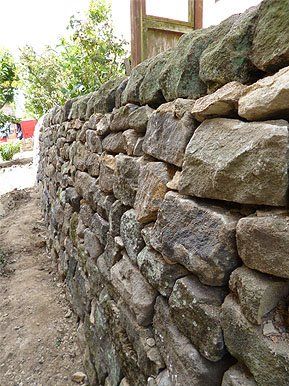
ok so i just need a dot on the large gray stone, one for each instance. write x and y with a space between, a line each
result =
114 143
227 58
199 236
258 294
266 359
196 309
232 160
263 244
120 117
130 232
267 98
185 365
135 291
138 118
161 275
93 141
152 188
222 103
270 50
169 130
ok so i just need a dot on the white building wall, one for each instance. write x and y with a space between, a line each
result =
216 11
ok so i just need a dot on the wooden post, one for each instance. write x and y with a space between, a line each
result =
137 11
198 14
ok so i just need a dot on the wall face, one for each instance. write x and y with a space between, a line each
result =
165 196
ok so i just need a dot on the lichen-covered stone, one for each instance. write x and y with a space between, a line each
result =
116 211
263 244
199 236
138 118
130 232
161 275
185 364
126 178
120 117
258 294
266 359
135 291
93 141
169 130
238 375
227 59
131 138
150 89
92 244
222 103
152 188
270 50
114 143
232 160
267 98
196 309
103 126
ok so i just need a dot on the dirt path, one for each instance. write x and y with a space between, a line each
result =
37 330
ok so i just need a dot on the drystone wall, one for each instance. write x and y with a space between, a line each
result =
165 197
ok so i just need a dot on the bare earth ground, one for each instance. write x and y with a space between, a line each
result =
37 331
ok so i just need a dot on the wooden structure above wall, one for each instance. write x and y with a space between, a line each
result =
151 35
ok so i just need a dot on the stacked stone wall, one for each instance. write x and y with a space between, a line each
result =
165 197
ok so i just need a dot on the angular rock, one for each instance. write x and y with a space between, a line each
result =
185 365
163 379
134 290
100 228
173 184
169 130
151 191
161 275
130 232
102 127
126 178
238 375
94 120
85 185
114 143
119 92
93 141
196 310
106 172
247 164
267 98
258 294
92 164
266 359
222 103
270 50
115 214
150 89
131 92
120 120
227 58
72 198
131 138
263 244
92 244
138 118
199 236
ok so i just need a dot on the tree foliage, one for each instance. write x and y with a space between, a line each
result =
89 55
8 84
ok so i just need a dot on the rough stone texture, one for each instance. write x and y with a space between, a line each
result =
138 119
258 294
161 275
152 188
267 98
199 236
247 164
180 76
238 375
130 232
93 141
135 291
120 117
114 143
266 359
227 59
169 131
222 103
196 309
106 172
263 244
270 50
185 365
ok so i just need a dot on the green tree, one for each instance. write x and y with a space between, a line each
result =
8 84
88 56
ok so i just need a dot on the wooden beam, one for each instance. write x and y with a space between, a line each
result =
137 11
198 14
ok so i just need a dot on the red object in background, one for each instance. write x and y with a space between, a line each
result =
3 139
28 127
